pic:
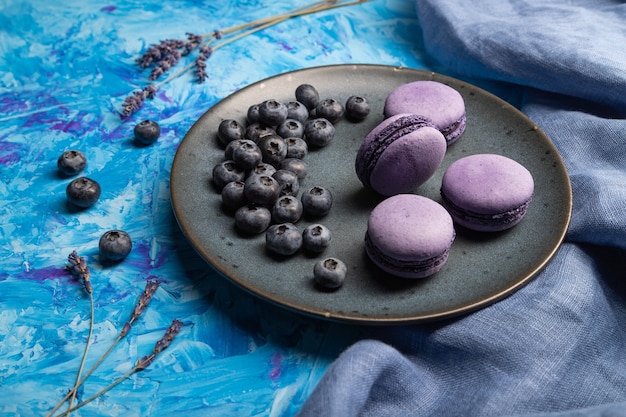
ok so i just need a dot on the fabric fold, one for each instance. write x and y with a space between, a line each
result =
575 48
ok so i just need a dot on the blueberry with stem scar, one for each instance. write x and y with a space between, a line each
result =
287 209
330 273
357 108
317 201
225 172
147 132
330 109
316 238
83 192
283 239
261 189
229 130
272 112
71 162
319 132
114 245
252 219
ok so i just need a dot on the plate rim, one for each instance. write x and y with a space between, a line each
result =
369 320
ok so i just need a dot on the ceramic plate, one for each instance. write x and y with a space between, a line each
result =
481 268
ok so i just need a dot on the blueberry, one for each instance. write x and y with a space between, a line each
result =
273 149
272 112
225 172
147 132
287 209
307 95
357 108
296 148
288 181
247 155
252 219
114 245
297 111
283 239
71 162
330 109
316 238
263 169
83 192
330 273
317 201
229 130
261 190
257 130
295 165
319 132
252 116
230 148
233 196
290 128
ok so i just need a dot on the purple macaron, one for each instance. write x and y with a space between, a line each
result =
409 236
437 101
400 154
487 192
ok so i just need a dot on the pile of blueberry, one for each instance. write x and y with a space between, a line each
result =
83 192
264 163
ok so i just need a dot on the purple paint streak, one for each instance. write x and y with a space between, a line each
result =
276 362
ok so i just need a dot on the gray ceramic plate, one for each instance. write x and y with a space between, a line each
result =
481 269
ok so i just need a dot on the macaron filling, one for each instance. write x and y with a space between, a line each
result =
480 221
455 130
415 268
368 158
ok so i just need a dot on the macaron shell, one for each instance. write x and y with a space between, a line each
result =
408 162
437 101
487 192
407 230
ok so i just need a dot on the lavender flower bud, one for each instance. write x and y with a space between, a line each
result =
156 72
161 345
192 43
78 267
144 299
168 337
135 100
203 55
150 91
144 362
125 329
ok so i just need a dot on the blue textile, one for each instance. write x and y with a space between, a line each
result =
557 347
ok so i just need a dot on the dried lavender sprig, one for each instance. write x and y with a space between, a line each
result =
140 365
78 267
217 34
142 303
132 103
219 45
